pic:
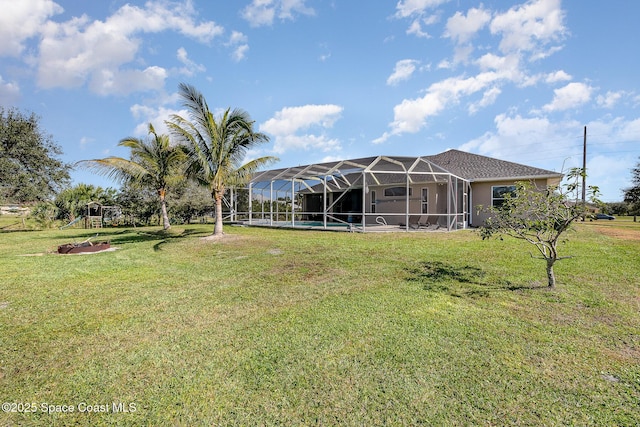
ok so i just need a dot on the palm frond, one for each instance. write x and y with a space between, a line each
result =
216 147
244 173
116 168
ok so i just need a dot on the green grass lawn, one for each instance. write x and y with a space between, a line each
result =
273 327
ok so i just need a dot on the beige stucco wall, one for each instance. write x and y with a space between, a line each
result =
393 208
481 197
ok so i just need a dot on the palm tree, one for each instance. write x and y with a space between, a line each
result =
216 148
154 163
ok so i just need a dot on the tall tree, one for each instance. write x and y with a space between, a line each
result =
154 163
632 194
540 217
30 169
216 148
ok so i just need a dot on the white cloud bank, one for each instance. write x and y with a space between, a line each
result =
288 124
571 96
102 54
528 31
263 12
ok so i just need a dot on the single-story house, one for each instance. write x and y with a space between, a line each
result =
439 191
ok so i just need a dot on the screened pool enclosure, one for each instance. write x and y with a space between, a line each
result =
370 194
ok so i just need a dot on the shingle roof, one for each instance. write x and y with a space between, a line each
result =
475 167
471 167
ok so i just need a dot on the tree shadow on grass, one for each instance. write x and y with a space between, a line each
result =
163 237
128 236
459 281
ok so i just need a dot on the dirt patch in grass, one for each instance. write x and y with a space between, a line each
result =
221 238
619 233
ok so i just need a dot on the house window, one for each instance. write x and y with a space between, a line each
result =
500 192
424 201
373 201
396 191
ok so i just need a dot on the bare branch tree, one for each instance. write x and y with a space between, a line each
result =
539 216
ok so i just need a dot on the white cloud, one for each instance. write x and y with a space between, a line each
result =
190 67
81 50
445 64
240 53
22 20
611 185
558 76
629 131
259 12
123 82
163 16
416 29
411 114
416 9
462 53
558 146
542 53
292 119
530 30
264 12
517 137
237 38
463 28
285 143
238 41
288 122
507 67
406 8
488 98
529 27
610 99
403 70
416 26
571 96
156 115
9 92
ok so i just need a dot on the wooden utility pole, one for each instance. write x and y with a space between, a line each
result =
584 169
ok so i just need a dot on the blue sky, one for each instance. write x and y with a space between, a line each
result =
516 80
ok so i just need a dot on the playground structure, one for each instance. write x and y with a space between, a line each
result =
94 215
97 215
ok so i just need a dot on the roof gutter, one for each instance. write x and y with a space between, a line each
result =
519 178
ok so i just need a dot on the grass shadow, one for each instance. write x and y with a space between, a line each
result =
129 236
163 236
459 280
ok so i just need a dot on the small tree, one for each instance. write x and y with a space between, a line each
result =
632 194
538 216
44 214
